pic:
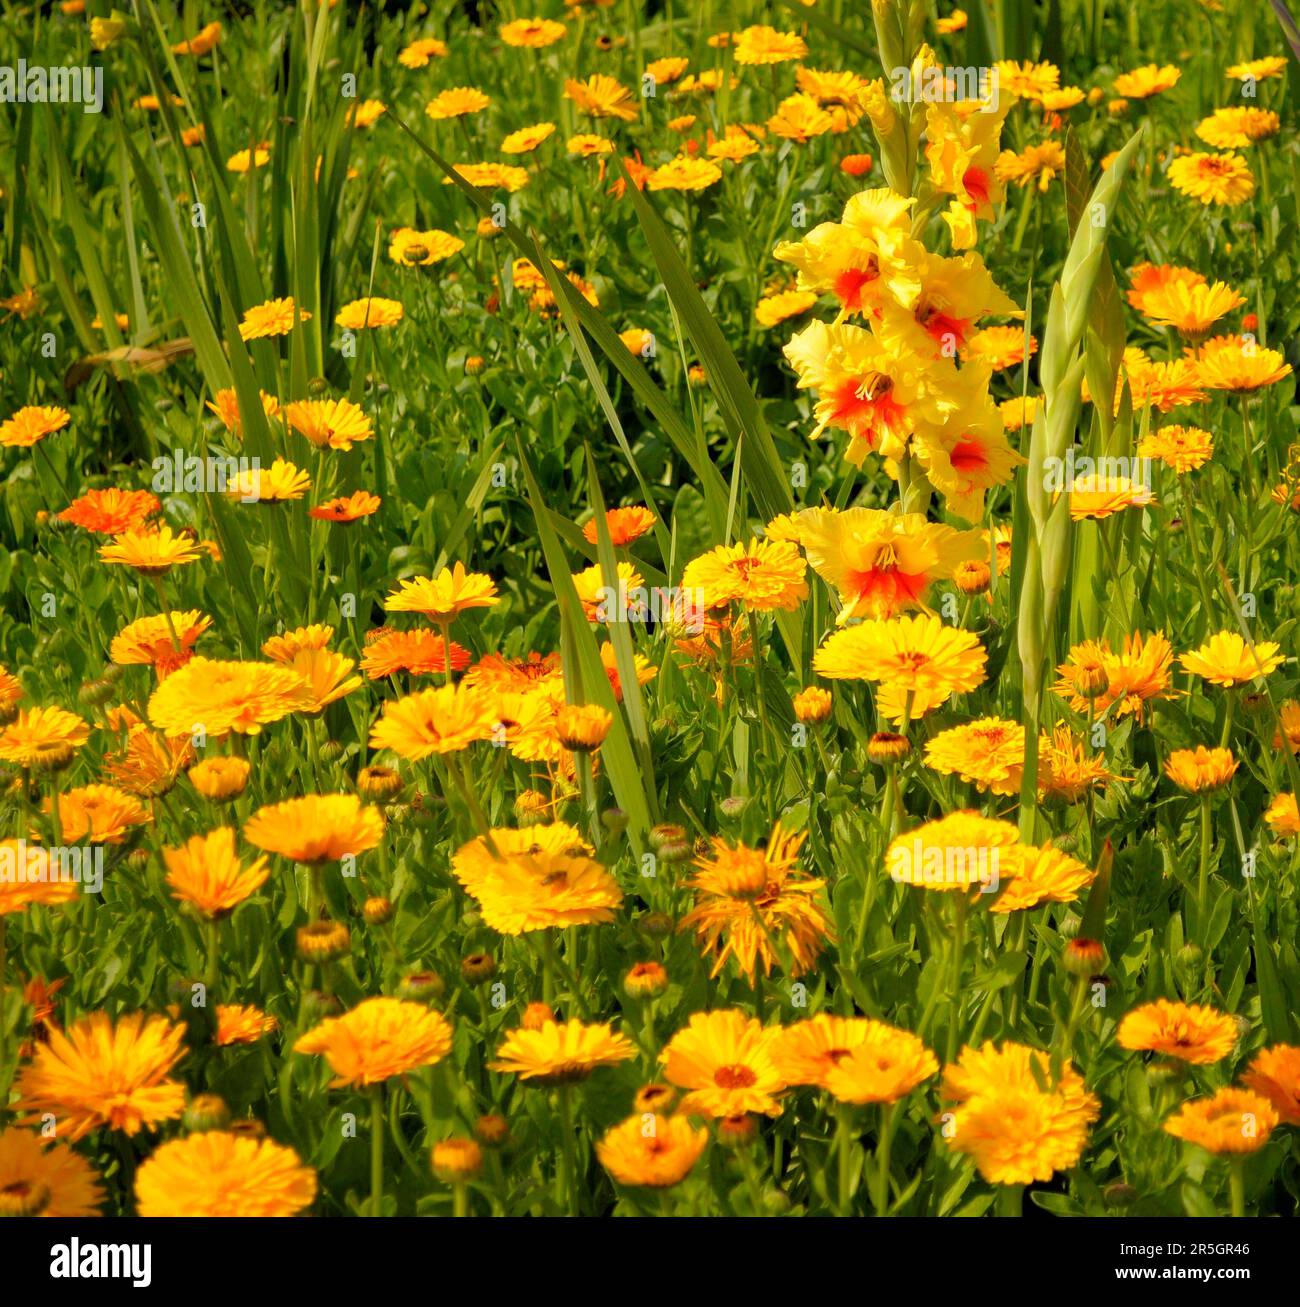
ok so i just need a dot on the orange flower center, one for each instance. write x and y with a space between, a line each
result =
734 1077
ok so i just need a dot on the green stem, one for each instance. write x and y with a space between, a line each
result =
566 1191
376 1148
1011 1200
844 1150
1237 1185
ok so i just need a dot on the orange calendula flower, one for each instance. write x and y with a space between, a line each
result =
656 1153
724 1058
97 814
163 642
220 778
749 903
111 512
378 1039
359 504
419 652
1212 178
31 424
225 404
532 33
316 828
412 248
1230 1121
27 877
624 525
1199 770
1238 364
418 53
765 45
1100 496
1183 449
207 873
917 654
104 1073
1190 1032
1275 1073
1040 875
1283 817
220 1173
456 102
40 1178
988 753
1096 678
1149 80
962 851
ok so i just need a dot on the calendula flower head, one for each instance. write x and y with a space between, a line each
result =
445 596
456 1161
276 317
1275 1073
1046 1121
988 753
441 720
1182 449
418 53
220 1173
1238 364
163 642
914 654
112 511
651 1151
724 1059
32 424
316 828
624 525
684 174
97 814
1040 875
1190 309
762 576
41 1178
207 873
602 97
1068 770
561 1053
750 902
1223 179
1035 164
960 852
1200 770
491 176
219 779
1101 495
532 33
812 705
1149 80
411 248
456 102
329 423
1189 1032
765 45
1226 659
101 1072
27 878
216 697
150 551
1097 679
42 739
378 1039
1230 1121
1283 817
881 563
371 311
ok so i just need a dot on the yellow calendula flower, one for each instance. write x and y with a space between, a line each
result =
32 424
962 851
765 45
1189 1032
1149 80
561 1053
369 312
219 1173
206 872
1238 126
527 139
532 33
412 248
684 174
441 720
1212 178
724 1059
329 423
601 96
445 596
1238 364
42 738
915 654
988 753
763 575
1226 659
1037 164
456 102
1199 770
1183 449
276 317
